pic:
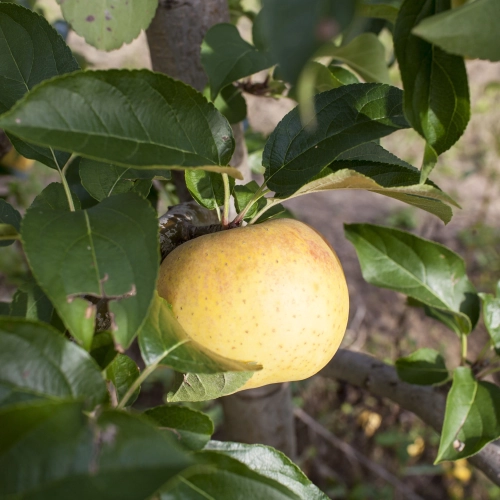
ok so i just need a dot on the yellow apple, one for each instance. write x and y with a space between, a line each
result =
273 293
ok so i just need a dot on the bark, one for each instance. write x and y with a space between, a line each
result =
428 403
262 415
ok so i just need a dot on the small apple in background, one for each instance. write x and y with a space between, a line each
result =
273 293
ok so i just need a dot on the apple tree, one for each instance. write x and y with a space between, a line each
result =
94 242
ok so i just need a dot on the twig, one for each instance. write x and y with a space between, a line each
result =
352 453
428 403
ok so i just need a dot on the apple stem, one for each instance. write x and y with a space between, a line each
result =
227 194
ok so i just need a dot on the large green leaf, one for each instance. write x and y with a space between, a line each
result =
346 117
108 24
422 367
162 339
37 359
380 9
109 251
191 428
30 51
419 268
226 57
472 417
469 30
436 98
52 450
247 474
294 30
270 463
206 386
491 315
365 54
372 168
9 216
128 118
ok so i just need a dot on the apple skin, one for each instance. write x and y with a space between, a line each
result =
273 293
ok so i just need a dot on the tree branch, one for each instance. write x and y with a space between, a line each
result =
428 403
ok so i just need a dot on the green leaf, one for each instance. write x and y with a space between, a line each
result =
102 180
381 10
231 104
436 97
192 429
272 464
123 372
365 54
103 349
419 268
207 188
31 303
491 315
372 168
13 396
472 416
108 24
467 30
38 359
422 367
30 51
346 117
10 222
226 57
53 197
295 29
225 478
108 251
243 194
128 118
206 386
52 450
162 338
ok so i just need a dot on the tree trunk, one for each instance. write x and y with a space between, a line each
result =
263 415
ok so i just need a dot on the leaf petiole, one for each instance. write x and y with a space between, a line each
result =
463 353
64 182
227 194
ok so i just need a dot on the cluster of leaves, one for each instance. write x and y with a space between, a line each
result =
121 129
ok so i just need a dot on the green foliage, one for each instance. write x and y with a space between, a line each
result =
424 270
206 386
122 372
272 464
365 55
423 367
157 121
491 314
207 188
102 180
114 246
38 360
191 428
300 28
9 217
37 53
226 57
436 98
108 25
472 417
465 31
53 448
